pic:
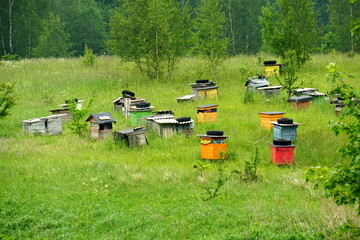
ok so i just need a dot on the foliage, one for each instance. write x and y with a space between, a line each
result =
150 33
78 125
72 186
342 182
289 75
209 39
10 57
7 98
290 26
342 16
250 168
89 57
54 41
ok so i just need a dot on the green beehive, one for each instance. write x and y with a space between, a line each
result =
138 113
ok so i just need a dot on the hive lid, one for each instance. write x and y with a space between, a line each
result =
268 88
186 97
212 136
286 124
205 87
159 117
133 130
302 98
207 106
272 113
166 121
101 118
300 90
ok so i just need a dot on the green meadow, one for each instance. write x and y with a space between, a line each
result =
71 187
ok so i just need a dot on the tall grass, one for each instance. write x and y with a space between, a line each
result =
67 187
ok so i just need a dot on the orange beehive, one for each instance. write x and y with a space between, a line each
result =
300 102
212 146
267 117
207 113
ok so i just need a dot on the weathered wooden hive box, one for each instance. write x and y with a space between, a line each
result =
119 103
256 82
204 89
310 92
270 90
51 125
213 145
207 113
267 117
185 125
272 68
135 137
282 151
100 124
165 127
138 112
300 102
162 114
65 110
185 98
285 128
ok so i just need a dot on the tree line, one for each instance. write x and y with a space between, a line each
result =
61 28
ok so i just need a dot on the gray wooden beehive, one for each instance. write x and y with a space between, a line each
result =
51 125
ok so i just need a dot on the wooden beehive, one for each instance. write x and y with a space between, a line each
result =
186 127
285 130
134 137
300 102
119 103
51 125
213 147
267 117
207 113
165 127
100 125
205 89
272 68
270 90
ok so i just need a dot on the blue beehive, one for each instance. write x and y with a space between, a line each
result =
285 128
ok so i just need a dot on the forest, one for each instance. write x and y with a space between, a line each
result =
62 28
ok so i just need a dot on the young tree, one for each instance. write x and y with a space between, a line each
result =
290 25
152 33
342 182
210 42
54 41
7 98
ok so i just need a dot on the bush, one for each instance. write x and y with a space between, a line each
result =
89 57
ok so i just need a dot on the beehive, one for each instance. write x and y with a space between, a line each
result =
300 102
267 117
207 113
285 130
282 154
204 89
271 68
133 137
213 147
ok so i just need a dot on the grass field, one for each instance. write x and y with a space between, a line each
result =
68 187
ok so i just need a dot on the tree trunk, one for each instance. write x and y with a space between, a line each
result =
232 31
11 3
2 39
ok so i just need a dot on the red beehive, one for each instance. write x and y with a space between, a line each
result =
282 152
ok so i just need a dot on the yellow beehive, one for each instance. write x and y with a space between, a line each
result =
207 113
211 93
271 70
267 117
213 150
